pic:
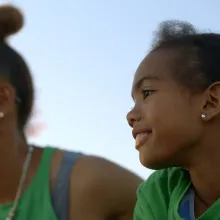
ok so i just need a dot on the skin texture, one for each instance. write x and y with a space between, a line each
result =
180 137
106 190
99 189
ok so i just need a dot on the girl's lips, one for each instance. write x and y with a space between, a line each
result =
142 138
135 132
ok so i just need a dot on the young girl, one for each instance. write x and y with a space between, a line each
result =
46 183
176 124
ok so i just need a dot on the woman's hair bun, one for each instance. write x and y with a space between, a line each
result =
11 21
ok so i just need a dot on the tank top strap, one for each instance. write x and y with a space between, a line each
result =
60 194
46 157
43 173
35 202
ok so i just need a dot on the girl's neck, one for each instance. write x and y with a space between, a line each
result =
205 174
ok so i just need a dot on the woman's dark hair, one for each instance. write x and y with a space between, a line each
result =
12 65
197 54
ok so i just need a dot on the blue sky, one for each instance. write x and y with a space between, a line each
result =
83 55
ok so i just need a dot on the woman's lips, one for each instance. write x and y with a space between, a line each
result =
141 139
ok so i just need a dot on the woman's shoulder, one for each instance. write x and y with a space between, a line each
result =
104 186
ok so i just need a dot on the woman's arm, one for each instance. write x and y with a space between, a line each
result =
102 190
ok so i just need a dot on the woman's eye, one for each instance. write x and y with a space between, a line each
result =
147 92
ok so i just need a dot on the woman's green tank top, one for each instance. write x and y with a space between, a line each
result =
35 203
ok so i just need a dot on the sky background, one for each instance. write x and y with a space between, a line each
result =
83 55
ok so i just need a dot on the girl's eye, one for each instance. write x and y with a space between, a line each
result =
146 93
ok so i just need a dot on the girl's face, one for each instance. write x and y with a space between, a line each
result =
166 117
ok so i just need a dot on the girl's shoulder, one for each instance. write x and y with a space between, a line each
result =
154 195
166 180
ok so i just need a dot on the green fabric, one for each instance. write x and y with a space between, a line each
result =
35 203
159 197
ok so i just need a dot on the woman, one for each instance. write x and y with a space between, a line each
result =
176 123
52 184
